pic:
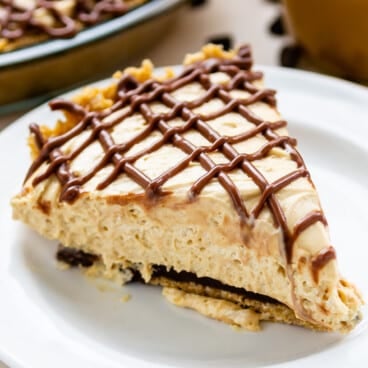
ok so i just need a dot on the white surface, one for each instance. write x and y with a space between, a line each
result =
50 318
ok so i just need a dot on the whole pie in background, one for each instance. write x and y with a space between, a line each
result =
25 22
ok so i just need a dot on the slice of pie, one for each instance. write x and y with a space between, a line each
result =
190 182
24 22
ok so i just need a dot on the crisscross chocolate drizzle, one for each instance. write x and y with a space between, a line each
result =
136 97
16 21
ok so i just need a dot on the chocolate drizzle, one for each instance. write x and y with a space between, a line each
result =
310 219
134 97
15 21
318 262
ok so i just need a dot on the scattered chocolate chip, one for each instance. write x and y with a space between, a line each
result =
74 257
224 40
290 56
196 3
277 27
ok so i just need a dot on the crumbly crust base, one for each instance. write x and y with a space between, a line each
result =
220 304
265 311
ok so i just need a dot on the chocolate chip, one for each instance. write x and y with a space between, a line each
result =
290 55
224 40
196 3
277 27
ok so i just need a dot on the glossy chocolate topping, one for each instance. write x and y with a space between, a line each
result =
136 97
16 21
325 256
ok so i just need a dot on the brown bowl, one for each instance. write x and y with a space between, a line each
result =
334 33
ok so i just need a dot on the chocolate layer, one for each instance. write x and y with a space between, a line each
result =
74 257
183 276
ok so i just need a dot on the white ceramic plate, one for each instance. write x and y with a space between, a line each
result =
50 318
